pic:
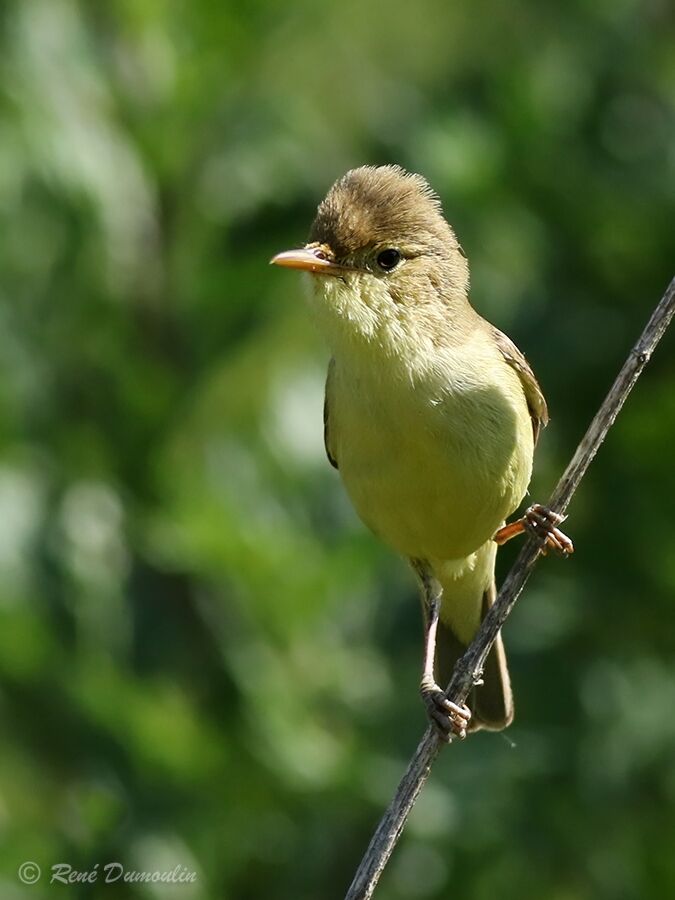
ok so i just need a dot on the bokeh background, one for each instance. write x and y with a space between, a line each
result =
205 660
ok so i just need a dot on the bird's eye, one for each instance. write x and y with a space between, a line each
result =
388 259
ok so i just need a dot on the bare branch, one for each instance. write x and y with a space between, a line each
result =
469 667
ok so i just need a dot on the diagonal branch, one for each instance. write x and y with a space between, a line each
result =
469 667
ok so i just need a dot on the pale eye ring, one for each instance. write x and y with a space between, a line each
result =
389 259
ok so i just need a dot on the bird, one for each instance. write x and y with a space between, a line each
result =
431 415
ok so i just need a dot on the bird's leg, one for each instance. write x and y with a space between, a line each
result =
449 719
542 522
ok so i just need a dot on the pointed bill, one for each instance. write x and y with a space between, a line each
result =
308 260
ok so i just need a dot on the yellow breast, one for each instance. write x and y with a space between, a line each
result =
434 455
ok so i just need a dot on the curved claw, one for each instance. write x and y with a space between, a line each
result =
449 719
542 522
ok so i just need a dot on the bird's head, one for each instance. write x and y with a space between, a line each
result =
380 254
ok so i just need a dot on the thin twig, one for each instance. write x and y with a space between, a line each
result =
470 666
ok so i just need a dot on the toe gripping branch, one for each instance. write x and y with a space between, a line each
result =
543 523
449 719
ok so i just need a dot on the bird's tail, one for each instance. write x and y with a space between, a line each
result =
491 702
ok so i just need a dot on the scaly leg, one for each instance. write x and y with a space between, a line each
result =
542 522
447 717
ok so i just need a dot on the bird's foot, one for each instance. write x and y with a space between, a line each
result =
449 719
542 522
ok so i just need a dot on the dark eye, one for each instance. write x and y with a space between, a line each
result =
388 259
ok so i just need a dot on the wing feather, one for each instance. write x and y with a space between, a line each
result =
533 393
330 453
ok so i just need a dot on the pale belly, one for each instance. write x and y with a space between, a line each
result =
433 479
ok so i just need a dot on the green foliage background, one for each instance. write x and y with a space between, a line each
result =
205 660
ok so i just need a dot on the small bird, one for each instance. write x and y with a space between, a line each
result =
431 415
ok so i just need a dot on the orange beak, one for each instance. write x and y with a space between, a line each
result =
308 260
